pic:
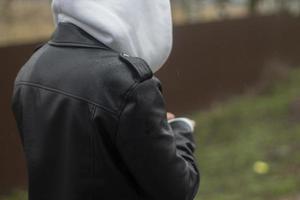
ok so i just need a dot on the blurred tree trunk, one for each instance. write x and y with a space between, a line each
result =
222 8
191 8
283 6
253 5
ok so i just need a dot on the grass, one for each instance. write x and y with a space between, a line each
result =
16 195
234 135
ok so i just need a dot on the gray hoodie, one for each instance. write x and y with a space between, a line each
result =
141 28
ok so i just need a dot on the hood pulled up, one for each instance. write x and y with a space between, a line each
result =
140 28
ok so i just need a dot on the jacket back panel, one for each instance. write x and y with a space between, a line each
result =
71 154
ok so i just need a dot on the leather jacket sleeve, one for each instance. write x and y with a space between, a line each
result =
158 155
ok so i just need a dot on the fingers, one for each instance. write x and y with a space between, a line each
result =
170 116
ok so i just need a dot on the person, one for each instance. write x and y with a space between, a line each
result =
90 110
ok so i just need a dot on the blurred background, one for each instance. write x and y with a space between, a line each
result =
234 69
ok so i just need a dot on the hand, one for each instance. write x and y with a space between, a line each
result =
193 123
170 116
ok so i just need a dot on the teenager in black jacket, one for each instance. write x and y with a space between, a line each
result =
91 113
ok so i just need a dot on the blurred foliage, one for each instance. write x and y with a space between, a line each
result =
248 147
24 21
27 20
16 195
207 10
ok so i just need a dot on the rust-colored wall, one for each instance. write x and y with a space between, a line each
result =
12 167
209 62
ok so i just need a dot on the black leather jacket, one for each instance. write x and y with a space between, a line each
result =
93 126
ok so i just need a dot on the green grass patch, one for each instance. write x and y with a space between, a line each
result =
16 195
233 136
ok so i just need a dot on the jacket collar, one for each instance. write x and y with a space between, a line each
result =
69 35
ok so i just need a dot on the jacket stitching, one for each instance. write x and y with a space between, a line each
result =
126 94
66 94
94 112
123 106
72 44
92 147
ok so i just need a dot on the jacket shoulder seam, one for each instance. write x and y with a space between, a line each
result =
128 93
58 91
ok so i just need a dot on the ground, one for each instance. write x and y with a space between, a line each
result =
252 128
